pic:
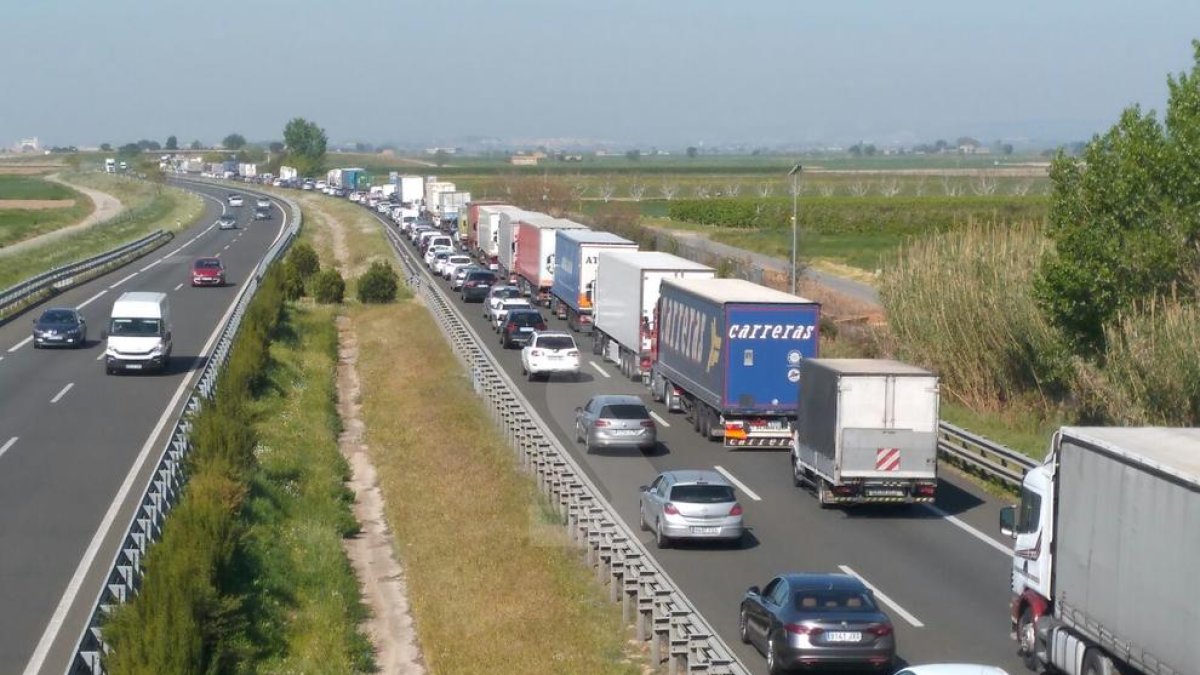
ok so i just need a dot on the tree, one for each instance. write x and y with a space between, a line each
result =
856 150
106 147
378 284
275 147
146 144
129 150
633 155
196 145
692 151
1123 218
305 143
234 142
172 143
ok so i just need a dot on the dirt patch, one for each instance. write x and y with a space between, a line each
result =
26 169
371 553
36 204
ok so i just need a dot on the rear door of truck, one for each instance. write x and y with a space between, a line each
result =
887 427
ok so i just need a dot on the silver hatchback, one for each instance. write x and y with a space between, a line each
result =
615 420
691 504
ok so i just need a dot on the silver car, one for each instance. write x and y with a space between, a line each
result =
691 504
615 420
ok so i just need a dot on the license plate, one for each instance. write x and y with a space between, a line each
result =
53 337
843 636
705 530
134 366
526 329
885 493
626 432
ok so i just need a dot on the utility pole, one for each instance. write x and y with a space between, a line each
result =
795 176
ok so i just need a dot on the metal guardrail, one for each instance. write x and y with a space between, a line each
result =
60 278
979 455
679 636
145 528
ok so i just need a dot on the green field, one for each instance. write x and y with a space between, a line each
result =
21 224
24 186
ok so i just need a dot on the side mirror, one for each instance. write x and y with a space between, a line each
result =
644 488
753 590
1008 521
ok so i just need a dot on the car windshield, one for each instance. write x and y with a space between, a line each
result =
58 316
625 411
526 318
208 264
134 327
556 342
833 600
702 494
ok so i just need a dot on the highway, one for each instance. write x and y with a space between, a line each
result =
76 445
942 570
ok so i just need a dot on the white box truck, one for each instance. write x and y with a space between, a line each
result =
412 189
866 431
488 235
433 190
138 335
507 234
1106 541
624 297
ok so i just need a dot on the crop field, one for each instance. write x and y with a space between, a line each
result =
35 207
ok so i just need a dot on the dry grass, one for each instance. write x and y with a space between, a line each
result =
492 584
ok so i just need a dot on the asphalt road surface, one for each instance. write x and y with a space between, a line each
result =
943 570
76 445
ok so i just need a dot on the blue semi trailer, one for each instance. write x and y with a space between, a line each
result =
576 259
727 352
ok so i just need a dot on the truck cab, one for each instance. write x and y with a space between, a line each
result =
1031 526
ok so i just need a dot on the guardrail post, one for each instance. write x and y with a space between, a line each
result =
660 625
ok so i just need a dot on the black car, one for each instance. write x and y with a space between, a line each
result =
59 327
519 325
476 284
817 621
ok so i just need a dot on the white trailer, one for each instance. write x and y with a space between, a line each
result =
866 431
1104 553
432 191
288 173
506 238
412 189
488 235
624 295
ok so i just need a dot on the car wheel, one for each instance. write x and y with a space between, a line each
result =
642 518
1027 639
36 345
661 540
578 436
774 667
530 376
743 627
587 444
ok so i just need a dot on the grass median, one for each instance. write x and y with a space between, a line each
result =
149 207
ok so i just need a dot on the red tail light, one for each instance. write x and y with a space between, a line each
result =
880 629
801 629
670 509
758 423
541 326
510 327
600 423
736 510
926 489
573 353
649 424
645 363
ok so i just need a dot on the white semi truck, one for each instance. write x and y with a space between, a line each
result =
1106 542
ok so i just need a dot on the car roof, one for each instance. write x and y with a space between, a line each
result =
694 476
830 580
954 669
206 258
618 399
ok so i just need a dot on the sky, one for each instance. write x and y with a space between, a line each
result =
648 72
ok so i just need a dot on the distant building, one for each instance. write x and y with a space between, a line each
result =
27 145
523 160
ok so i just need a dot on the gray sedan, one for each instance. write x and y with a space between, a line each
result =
817 621
615 420
690 504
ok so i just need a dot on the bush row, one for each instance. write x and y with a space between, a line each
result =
303 276
841 215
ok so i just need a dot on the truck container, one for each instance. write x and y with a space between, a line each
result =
624 296
412 189
471 220
576 257
866 431
434 188
487 246
507 235
535 253
450 206
1105 549
288 173
247 169
728 353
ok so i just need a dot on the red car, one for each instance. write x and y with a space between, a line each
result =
208 272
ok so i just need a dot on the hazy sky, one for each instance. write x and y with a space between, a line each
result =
668 72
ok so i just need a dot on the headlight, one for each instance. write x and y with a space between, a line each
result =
157 349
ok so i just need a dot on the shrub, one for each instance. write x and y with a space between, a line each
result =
378 284
304 258
328 287
293 281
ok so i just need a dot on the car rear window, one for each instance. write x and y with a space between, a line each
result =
526 318
702 494
624 411
481 276
556 342
832 600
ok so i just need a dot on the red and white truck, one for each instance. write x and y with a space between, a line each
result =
534 263
1105 544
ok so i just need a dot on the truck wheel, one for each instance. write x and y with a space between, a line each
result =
797 473
1096 663
1027 640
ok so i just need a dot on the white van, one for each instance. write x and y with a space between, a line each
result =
139 333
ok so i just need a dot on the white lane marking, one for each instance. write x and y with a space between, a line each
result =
54 626
916 623
218 255
599 369
20 344
59 395
740 485
123 280
179 286
150 265
100 356
90 300
226 247
659 419
970 530
4 448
